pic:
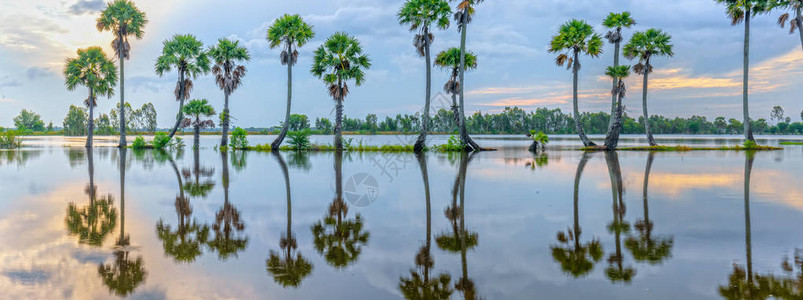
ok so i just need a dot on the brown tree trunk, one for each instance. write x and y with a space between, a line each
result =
578 126
90 125
224 139
181 91
650 139
286 126
421 142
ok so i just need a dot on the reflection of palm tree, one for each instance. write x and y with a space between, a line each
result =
193 185
419 286
124 274
619 225
460 240
290 270
742 284
184 245
229 237
578 259
647 248
94 222
337 238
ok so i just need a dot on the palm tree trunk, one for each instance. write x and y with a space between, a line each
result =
121 55
122 192
748 169
578 126
339 178
181 91
286 126
422 137
339 119
196 144
650 139
90 161
615 79
224 140
470 144
225 174
286 174
799 21
422 163
647 224
748 131
580 167
612 138
90 128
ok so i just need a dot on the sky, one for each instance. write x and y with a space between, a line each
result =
510 38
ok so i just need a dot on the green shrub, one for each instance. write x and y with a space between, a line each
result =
9 140
748 144
139 143
299 140
454 144
239 138
160 141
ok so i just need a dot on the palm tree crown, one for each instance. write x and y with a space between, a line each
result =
643 45
339 60
123 19
292 31
227 54
617 21
796 5
465 7
450 59
186 54
735 9
421 15
92 69
619 72
199 108
578 36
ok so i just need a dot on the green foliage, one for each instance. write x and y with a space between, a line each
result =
123 19
340 49
539 137
453 144
198 108
28 120
450 59
298 122
619 72
323 125
9 140
292 31
226 54
160 141
139 143
645 44
619 20
748 144
75 121
186 54
299 140
575 37
239 138
92 69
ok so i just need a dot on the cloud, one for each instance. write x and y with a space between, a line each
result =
9 82
37 72
86 7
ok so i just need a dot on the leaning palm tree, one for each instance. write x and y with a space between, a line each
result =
93 70
739 11
797 22
196 109
615 22
123 19
618 73
465 11
449 60
228 75
574 38
421 15
186 54
645 45
339 60
289 32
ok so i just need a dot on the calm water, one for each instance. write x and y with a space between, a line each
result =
495 225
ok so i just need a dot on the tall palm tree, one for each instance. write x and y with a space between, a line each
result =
186 54
618 73
463 15
196 109
421 15
291 269
92 223
616 270
743 11
289 32
228 75
646 247
449 60
421 286
645 45
339 60
797 22
577 259
574 38
615 22
336 237
93 70
228 228
123 19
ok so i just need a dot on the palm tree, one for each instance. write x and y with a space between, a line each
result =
291 33
339 239
228 225
616 271
738 11
228 76
291 269
450 60
797 22
577 259
647 248
196 109
573 38
92 223
421 15
463 15
339 60
645 45
193 184
123 19
618 73
421 286
186 54
615 22
93 70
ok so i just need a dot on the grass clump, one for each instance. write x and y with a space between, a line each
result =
299 140
792 143
453 144
139 143
9 140
744 147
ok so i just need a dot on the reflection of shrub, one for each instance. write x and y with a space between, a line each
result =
239 138
139 143
299 140
9 140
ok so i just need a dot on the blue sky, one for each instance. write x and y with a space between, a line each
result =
510 38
